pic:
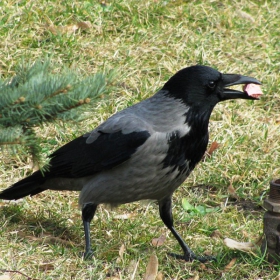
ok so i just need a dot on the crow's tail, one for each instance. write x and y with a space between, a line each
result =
30 185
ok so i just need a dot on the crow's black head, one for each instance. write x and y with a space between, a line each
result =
204 86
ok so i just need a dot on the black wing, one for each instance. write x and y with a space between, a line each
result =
79 159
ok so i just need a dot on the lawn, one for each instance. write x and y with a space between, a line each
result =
146 42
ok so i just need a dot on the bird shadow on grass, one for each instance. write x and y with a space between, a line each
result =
245 205
248 206
35 226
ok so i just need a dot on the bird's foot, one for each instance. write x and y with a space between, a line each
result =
191 257
88 255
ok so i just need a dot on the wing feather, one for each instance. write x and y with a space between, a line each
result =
105 150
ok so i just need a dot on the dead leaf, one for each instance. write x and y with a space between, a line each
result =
207 253
156 242
46 266
245 233
152 268
121 251
245 16
216 234
202 266
70 28
83 25
231 191
159 276
230 265
241 246
214 146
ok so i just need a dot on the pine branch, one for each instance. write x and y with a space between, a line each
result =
36 95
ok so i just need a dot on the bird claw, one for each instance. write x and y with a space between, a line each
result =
191 257
88 255
204 259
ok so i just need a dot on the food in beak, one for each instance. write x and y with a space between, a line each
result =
253 90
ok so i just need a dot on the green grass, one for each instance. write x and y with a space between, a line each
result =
147 42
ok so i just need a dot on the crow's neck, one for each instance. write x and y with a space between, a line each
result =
198 119
186 151
196 141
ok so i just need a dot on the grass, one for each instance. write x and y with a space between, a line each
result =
147 42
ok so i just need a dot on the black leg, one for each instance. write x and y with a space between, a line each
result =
88 212
165 211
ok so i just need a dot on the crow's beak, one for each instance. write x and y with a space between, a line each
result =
235 79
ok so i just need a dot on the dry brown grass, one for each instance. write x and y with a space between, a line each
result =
147 42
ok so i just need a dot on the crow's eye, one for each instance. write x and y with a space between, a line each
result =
211 84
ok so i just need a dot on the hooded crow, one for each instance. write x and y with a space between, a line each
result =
145 151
